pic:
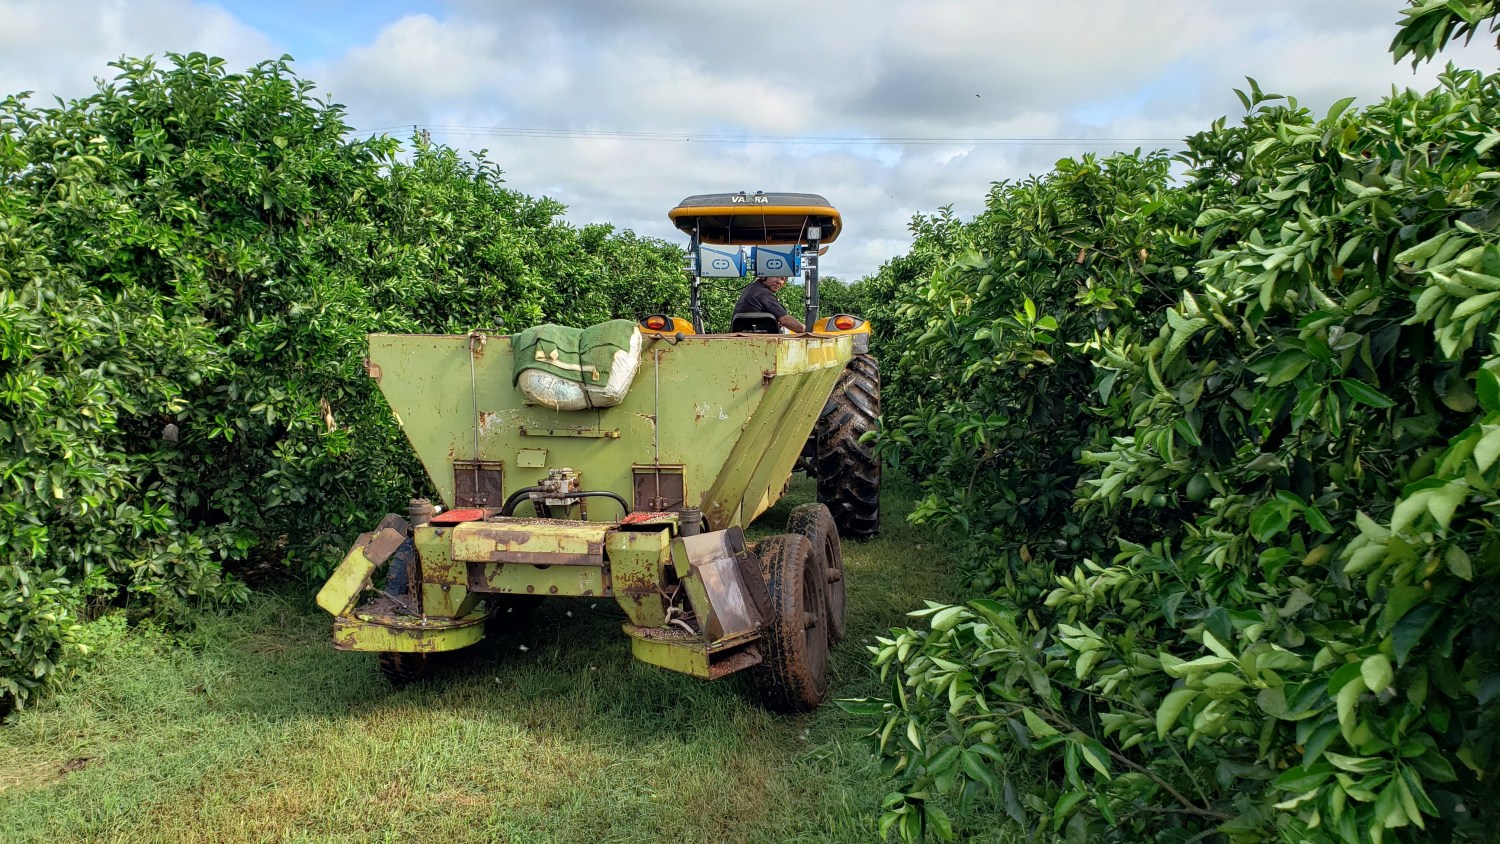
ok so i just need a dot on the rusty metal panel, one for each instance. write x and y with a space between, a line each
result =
518 579
659 489
435 562
478 483
710 567
537 542
709 403
638 569
382 627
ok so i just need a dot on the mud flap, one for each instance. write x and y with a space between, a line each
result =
341 593
723 583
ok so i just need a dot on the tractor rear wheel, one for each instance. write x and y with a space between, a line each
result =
816 523
848 471
405 667
793 674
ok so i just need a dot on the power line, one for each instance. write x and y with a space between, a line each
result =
804 140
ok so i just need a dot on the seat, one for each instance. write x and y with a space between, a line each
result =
754 322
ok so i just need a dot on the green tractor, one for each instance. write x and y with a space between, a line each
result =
623 461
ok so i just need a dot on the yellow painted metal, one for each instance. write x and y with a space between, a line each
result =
402 633
341 593
762 458
824 327
681 651
437 564
683 654
707 403
552 542
637 568
674 326
444 600
566 581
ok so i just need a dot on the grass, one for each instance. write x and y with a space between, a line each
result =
252 728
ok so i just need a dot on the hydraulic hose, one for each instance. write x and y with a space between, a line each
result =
515 498
625 508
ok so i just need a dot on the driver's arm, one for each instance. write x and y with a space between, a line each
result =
792 324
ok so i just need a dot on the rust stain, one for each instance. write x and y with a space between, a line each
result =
372 369
477 341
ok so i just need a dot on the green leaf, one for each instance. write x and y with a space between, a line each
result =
937 821
1444 501
975 768
1487 450
1200 665
1410 628
1347 702
1064 807
1183 330
1097 756
1457 560
1286 366
1337 109
946 619
1039 728
1363 393
1300 779
861 706
1377 672
1268 520
1487 387
1474 304
1355 764
1171 707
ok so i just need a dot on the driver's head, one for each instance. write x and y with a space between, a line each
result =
775 282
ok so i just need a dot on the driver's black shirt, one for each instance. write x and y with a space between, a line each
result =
758 297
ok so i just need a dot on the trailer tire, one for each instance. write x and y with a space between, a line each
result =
848 470
401 667
793 674
816 523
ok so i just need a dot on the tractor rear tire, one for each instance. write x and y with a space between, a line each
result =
793 674
401 668
816 523
848 471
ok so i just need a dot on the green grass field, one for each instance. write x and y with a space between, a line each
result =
252 728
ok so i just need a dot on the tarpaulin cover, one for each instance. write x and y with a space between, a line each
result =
576 368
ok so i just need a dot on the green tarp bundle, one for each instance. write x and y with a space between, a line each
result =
593 360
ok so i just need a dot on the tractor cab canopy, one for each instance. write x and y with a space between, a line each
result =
756 219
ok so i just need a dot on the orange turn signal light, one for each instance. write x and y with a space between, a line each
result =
655 323
843 322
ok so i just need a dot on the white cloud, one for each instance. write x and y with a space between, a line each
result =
58 47
839 68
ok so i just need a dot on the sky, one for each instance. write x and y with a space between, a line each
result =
889 108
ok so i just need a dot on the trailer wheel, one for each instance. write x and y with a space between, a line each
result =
403 667
793 674
848 471
816 523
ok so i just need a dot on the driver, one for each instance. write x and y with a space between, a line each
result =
760 295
